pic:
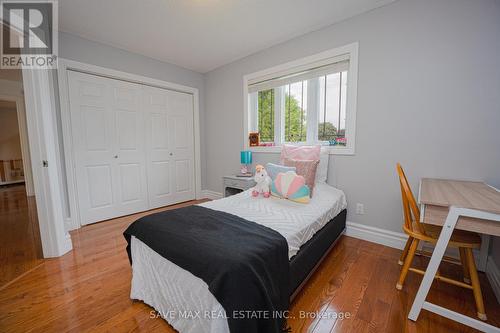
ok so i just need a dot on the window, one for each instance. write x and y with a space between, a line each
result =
308 101
266 115
332 113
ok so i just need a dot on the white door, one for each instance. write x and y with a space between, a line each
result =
108 141
170 146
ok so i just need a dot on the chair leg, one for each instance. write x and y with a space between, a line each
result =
407 263
476 287
405 251
465 266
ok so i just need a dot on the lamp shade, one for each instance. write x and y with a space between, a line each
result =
246 157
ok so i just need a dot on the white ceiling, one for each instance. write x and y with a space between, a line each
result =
202 34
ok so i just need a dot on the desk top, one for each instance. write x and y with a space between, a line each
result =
464 194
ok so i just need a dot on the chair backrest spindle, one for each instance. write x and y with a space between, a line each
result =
410 206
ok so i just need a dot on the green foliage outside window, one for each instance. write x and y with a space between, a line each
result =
266 115
295 120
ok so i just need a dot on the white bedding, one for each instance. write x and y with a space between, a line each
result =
296 222
184 299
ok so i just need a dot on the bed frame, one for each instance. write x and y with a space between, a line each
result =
313 252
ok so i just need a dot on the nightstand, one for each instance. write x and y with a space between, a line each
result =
234 185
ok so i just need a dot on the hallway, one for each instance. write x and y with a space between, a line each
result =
20 246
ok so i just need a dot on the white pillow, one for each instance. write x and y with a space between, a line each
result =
322 171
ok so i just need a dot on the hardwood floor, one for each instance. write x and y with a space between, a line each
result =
20 246
87 290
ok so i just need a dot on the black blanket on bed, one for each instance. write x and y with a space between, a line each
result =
244 264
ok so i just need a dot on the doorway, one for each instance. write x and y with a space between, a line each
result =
20 244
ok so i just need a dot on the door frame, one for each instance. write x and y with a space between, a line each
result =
14 93
43 142
65 65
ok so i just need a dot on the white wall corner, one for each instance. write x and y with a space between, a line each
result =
493 274
376 235
210 195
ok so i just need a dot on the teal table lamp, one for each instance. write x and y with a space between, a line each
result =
245 159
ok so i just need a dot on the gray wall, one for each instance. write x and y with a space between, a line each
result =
428 97
83 50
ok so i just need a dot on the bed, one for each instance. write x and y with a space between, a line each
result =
185 301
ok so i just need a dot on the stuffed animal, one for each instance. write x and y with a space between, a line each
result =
263 182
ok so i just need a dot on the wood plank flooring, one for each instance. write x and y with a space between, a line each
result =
87 290
20 246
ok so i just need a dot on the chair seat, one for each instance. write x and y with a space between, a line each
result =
459 238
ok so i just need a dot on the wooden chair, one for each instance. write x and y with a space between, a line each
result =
463 240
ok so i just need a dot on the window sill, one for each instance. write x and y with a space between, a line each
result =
329 149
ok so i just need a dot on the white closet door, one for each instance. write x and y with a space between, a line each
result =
108 142
181 137
170 146
130 156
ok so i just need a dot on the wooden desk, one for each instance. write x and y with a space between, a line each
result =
465 205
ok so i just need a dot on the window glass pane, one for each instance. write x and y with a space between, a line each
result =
343 98
332 108
266 115
289 103
295 109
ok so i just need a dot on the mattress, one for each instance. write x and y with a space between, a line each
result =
296 222
183 299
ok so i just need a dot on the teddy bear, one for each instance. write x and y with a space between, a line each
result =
263 182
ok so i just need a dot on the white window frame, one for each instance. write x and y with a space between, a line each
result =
352 76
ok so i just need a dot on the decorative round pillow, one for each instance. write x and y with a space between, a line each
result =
289 185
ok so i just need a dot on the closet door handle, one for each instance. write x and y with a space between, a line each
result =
171 154
116 156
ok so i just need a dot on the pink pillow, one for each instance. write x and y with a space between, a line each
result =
308 153
304 168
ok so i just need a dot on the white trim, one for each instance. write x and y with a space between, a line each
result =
352 50
64 66
73 220
279 121
493 274
43 141
207 194
313 103
331 150
197 144
376 235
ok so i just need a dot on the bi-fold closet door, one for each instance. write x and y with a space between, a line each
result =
170 142
133 146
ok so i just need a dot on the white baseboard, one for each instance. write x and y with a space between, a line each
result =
205 194
493 274
211 194
376 235
398 239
